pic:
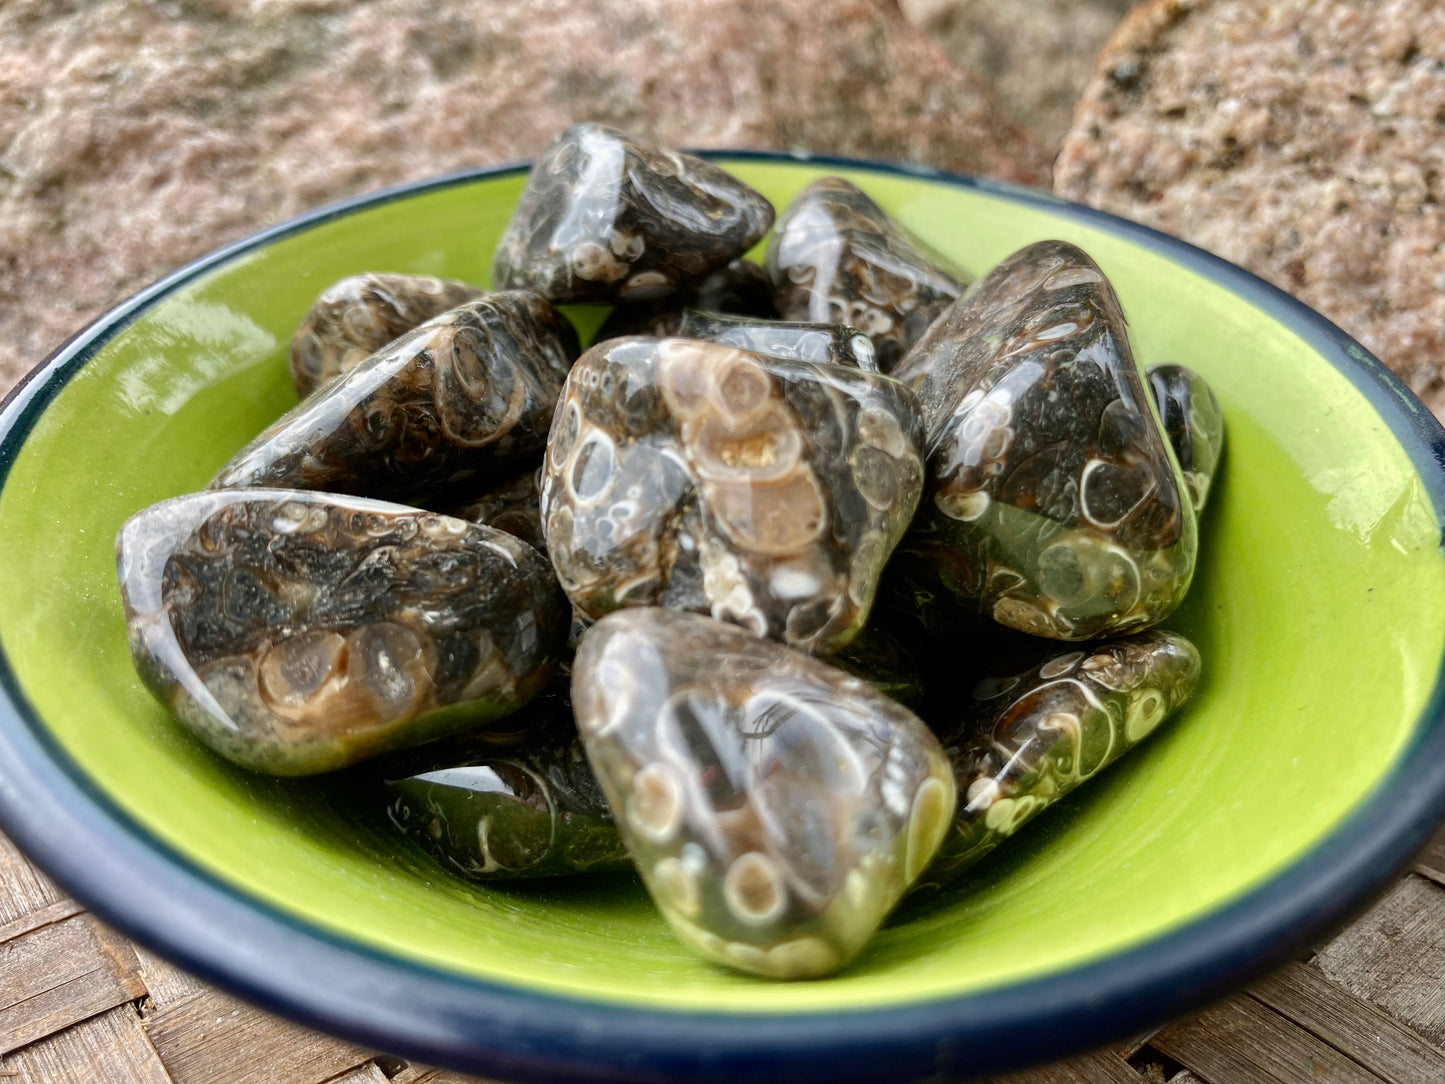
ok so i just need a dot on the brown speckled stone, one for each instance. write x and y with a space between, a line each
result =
1301 139
135 136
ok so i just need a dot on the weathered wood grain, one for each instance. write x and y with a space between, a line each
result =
1098 1067
165 982
107 1049
59 973
421 1074
1346 1020
1431 861
23 888
1351 1025
211 1038
1394 957
56 912
365 1074
1243 1041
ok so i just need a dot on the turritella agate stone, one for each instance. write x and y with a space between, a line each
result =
702 477
822 344
357 316
607 218
836 258
1055 503
1193 422
740 288
776 807
514 506
467 397
301 632
1026 739
493 809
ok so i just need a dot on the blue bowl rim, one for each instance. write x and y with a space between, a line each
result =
164 900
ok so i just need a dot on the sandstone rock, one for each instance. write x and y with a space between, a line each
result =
135 136
1300 139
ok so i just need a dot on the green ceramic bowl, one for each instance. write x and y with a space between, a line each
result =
1308 768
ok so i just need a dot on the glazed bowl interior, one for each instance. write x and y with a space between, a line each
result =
1319 608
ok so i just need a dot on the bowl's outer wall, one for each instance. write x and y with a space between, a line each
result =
1319 607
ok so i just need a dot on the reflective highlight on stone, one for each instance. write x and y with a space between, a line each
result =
514 506
822 344
776 807
357 316
836 258
741 288
492 809
462 399
1054 501
606 218
1194 424
300 632
1027 739
701 477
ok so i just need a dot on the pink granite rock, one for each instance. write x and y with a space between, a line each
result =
1304 139
1038 54
135 136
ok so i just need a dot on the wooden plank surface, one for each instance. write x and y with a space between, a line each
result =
421 1074
1243 1041
59 974
23 888
107 1049
1099 1067
370 1073
1351 1025
1394 957
211 1038
1358 1014
1431 862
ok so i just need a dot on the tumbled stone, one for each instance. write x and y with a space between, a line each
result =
837 258
702 477
822 344
465 398
1027 739
776 807
502 806
514 506
606 218
1193 423
300 632
356 317
1054 503
881 659
741 287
